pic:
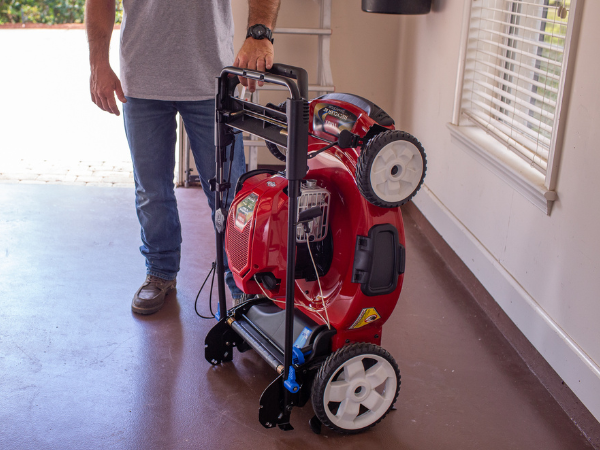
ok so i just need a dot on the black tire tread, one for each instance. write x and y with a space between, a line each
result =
275 151
331 366
365 161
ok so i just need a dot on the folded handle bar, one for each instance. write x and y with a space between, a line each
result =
280 74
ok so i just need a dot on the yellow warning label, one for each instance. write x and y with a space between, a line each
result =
366 316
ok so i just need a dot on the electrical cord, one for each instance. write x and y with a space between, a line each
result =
318 281
213 271
331 144
319 298
231 153
299 305
311 155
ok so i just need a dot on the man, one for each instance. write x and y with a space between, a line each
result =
171 52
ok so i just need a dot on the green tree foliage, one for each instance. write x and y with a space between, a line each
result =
47 11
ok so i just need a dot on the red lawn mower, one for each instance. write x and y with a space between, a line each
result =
321 246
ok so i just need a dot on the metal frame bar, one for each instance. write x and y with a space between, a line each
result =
232 113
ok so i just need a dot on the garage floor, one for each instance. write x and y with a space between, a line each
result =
79 371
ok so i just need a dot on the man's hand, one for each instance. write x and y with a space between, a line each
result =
104 84
255 55
99 23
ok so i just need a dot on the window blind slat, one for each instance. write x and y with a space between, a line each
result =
520 52
515 126
517 38
518 100
540 100
505 139
512 61
536 5
516 112
505 11
512 73
508 133
524 28
541 152
502 70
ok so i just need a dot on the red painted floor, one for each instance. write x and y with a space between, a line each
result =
80 371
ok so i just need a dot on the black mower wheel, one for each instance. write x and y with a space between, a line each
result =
391 169
277 151
355 388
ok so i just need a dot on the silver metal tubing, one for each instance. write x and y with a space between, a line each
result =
257 346
266 77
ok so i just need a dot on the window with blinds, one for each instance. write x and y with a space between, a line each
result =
513 70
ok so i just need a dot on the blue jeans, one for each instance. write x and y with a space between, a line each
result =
151 129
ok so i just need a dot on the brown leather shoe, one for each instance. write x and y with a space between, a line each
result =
151 296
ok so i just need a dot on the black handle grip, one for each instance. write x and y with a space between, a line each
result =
309 214
297 73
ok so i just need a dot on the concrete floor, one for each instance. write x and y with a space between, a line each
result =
80 371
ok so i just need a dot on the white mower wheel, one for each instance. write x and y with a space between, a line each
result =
391 169
355 388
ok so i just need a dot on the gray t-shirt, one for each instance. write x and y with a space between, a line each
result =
174 49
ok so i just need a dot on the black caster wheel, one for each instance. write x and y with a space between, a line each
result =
355 388
391 169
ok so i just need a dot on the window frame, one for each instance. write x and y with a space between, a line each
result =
536 187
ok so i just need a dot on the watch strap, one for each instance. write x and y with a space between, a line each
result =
254 32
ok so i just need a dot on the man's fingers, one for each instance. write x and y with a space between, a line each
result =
104 103
95 97
241 62
108 103
255 55
104 84
261 66
120 93
269 60
98 101
252 83
112 104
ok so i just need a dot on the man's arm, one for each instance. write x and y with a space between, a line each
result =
99 23
258 54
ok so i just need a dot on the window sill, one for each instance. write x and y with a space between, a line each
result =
509 167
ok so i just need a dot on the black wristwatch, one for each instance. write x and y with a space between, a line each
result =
260 31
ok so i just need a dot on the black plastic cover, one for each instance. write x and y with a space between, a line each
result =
378 260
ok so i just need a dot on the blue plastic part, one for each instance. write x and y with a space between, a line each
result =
302 338
297 356
218 313
290 384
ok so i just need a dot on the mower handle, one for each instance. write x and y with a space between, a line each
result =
296 132
280 74
297 73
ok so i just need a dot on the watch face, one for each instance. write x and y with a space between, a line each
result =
258 31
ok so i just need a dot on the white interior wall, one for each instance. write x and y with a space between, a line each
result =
544 271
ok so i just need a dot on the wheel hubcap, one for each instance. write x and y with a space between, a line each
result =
354 397
396 171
